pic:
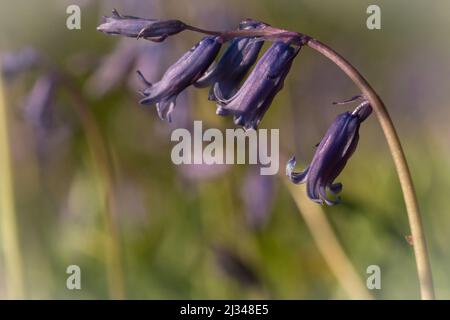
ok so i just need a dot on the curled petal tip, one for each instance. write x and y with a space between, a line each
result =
219 96
250 127
330 202
295 177
221 111
336 188
292 161
239 120
290 166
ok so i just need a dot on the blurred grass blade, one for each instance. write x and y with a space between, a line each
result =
104 174
327 243
10 239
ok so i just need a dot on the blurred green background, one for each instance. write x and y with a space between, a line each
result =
194 232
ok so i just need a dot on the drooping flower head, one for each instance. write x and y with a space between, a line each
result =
331 156
226 75
134 27
254 97
180 75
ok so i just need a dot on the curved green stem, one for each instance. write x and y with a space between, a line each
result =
401 165
267 32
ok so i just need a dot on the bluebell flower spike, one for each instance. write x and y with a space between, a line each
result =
331 156
14 63
296 177
39 103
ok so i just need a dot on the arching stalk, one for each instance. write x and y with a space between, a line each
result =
401 165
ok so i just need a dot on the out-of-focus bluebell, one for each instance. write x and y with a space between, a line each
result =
179 76
38 111
226 75
120 65
257 193
149 29
13 63
331 156
254 97
113 69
